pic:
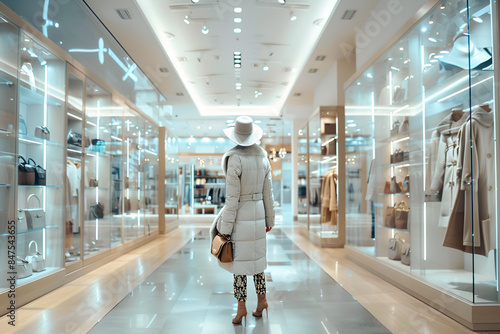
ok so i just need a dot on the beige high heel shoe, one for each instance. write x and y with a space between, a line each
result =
242 313
261 306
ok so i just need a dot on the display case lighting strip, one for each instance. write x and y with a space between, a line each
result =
74 116
116 138
329 159
90 123
424 232
30 141
464 89
402 139
329 141
71 150
400 109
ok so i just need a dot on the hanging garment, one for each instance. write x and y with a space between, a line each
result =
445 169
329 198
473 210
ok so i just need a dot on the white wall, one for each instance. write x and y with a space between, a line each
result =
385 21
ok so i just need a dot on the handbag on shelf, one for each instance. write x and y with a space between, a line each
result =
40 173
394 186
35 258
26 172
42 132
405 253
395 128
22 223
405 126
395 156
387 187
35 217
390 216
96 211
23 128
74 138
23 268
93 183
98 145
406 184
402 214
395 248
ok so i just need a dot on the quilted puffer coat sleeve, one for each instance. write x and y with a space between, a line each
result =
233 173
268 198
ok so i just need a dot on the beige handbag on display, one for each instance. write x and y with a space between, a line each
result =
405 253
402 214
395 248
390 216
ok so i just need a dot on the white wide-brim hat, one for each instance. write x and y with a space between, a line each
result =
462 50
244 132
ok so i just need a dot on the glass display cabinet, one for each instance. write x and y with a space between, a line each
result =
426 124
150 152
302 174
325 212
40 195
73 222
134 179
98 216
172 178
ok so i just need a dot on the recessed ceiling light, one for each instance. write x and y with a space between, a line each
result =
293 17
238 9
237 20
265 68
258 122
282 2
204 30
352 125
237 30
195 1
477 19
187 20
432 39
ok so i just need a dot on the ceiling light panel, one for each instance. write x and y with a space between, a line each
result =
124 14
284 51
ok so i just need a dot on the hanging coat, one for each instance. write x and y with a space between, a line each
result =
473 211
249 208
445 170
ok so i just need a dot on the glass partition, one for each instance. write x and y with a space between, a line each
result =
150 152
424 134
133 215
172 178
97 180
40 196
315 174
302 171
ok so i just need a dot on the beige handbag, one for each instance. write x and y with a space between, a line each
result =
405 253
222 248
402 214
395 248
390 216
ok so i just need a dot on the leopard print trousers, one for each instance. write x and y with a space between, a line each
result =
240 286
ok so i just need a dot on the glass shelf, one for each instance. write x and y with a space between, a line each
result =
401 164
99 187
394 228
402 194
403 136
28 96
37 186
33 230
35 140
4 185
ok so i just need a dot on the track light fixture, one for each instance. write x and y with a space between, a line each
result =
204 30
187 19
293 17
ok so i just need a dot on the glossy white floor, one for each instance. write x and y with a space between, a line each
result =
145 290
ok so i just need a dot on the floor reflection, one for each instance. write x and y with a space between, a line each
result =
189 293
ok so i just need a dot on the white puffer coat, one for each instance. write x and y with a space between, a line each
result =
249 208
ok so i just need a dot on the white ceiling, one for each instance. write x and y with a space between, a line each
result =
204 83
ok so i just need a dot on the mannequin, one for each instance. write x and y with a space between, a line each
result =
456 114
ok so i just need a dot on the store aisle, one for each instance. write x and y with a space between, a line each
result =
189 293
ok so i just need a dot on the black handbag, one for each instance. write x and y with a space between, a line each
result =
74 138
26 172
96 211
40 173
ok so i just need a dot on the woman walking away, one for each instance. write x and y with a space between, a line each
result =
248 214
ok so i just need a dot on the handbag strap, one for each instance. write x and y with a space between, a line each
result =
36 246
22 158
402 205
28 200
